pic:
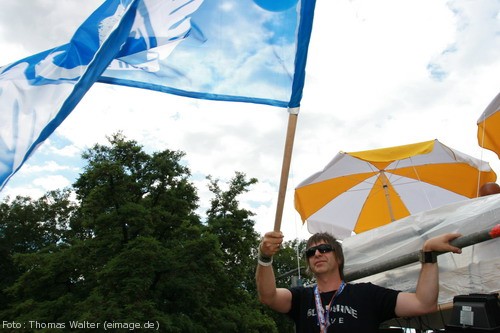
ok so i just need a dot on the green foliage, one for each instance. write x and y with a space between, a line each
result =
133 250
234 230
26 227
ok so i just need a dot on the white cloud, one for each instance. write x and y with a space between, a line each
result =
25 191
47 166
51 183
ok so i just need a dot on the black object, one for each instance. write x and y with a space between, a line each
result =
475 313
428 257
322 248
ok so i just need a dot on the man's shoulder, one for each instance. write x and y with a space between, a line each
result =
302 290
361 285
309 287
370 288
353 286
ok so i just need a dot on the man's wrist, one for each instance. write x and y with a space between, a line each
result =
428 257
264 260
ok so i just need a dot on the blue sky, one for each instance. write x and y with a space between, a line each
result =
379 74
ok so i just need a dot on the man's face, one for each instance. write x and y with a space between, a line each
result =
321 258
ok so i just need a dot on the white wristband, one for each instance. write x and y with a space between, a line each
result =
265 263
263 260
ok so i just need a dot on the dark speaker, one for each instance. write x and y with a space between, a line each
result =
475 313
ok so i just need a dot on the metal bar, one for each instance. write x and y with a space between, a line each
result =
413 257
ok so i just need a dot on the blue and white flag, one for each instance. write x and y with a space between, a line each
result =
38 92
234 50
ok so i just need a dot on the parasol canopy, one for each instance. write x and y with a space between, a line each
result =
363 190
488 127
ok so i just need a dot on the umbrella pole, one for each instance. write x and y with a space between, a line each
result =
285 168
387 197
412 257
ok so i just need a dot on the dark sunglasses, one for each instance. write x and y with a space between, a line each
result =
322 248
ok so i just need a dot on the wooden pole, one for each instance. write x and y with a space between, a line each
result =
412 257
285 168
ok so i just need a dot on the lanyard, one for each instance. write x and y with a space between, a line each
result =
324 316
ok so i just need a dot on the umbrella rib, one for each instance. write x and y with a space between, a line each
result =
417 177
372 167
483 134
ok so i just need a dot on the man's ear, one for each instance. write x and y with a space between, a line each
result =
339 261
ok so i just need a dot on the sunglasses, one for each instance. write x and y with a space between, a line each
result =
322 248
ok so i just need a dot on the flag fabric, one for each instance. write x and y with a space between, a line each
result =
38 92
236 50
251 51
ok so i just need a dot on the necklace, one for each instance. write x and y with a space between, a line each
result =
324 314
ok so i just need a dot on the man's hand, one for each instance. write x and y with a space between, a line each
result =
442 243
271 243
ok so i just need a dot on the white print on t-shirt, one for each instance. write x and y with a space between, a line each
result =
345 309
336 308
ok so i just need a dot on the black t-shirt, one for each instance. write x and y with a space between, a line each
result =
360 307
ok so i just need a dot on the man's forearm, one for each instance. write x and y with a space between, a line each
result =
427 291
266 283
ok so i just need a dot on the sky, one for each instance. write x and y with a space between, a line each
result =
380 73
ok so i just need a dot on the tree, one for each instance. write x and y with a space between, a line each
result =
26 227
238 240
132 249
233 227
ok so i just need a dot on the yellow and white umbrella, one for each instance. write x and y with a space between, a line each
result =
363 190
488 127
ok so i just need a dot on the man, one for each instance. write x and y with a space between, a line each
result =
333 305
488 189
